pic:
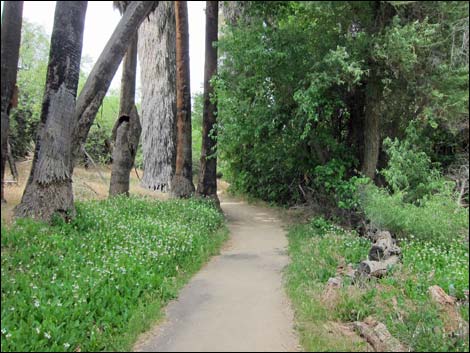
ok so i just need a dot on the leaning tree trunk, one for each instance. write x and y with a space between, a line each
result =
182 182
208 172
10 51
49 188
157 55
103 71
127 129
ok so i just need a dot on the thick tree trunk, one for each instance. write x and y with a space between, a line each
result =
101 75
10 50
182 182
383 14
207 185
372 125
126 132
157 55
49 188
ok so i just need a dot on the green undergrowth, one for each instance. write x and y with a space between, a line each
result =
400 300
94 284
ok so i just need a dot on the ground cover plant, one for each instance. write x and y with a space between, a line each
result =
95 283
400 300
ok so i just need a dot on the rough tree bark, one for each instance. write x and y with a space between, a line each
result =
182 182
126 131
103 71
383 13
49 188
372 125
10 50
207 185
157 55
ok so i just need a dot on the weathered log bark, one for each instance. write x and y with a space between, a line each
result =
384 247
207 185
377 335
126 132
103 71
182 182
12 18
157 55
49 188
453 321
377 268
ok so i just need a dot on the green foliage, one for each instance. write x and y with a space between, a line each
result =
411 171
400 300
31 80
437 219
196 126
79 285
291 91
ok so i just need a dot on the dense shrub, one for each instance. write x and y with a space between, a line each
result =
437 219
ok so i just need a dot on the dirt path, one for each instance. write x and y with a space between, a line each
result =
236 302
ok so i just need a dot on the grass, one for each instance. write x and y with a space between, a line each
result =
400 300
96 283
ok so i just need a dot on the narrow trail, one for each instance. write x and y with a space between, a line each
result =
237 301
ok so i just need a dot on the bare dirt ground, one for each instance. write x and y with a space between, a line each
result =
88 184
237 301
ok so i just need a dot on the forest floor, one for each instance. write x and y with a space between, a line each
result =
237 301
88 183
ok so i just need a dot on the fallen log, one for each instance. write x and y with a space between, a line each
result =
453 321
376 268
378 336
383 247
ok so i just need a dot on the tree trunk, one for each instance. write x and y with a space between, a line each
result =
372 126
383 14
10 50
207 185
126 132
11 162
182 182
49 188
103 71
157 55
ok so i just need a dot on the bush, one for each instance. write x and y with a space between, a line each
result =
411 172
437 219
78 286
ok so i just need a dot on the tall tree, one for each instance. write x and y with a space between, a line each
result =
103 71
10 49
207 185
182 182
49 188
157 55
126 131
83 114
383 13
